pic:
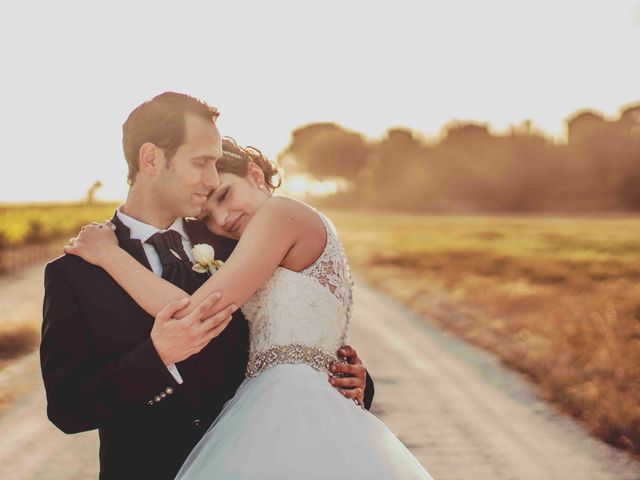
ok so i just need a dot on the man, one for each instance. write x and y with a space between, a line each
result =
151 386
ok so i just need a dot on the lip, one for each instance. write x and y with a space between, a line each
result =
200 196
235 225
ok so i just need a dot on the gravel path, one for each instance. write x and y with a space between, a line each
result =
461 413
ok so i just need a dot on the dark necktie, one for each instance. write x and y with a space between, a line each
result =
176 266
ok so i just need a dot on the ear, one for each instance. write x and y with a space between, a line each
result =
255 175
151 158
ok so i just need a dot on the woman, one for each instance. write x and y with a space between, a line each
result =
292 279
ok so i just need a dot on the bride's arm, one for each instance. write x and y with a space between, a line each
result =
274 229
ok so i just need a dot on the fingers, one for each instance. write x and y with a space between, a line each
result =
87 228
95 225
351 393
350 355
172 307
355 394
351 382
348 370
200 312
346 382
106 224
213 332
211 327
217 319
71 247
347 351
219 328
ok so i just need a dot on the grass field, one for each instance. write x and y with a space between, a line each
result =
556 298
36 223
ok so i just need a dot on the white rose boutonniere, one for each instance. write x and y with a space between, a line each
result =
204 255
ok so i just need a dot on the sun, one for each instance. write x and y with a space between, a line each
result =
303 186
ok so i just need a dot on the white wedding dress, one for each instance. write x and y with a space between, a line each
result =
286 421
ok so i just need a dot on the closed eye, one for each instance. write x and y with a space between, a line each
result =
224 195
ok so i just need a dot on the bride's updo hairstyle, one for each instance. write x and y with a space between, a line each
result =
235 159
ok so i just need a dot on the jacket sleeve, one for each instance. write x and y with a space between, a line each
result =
83 389
369 390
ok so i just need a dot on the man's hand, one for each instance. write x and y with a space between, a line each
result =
178 339
352 378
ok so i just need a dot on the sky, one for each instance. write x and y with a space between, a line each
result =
72 72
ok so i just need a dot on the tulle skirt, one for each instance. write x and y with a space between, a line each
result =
290 423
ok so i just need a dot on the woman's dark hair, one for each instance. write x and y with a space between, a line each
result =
235 159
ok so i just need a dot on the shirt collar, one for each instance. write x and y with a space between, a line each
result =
143 231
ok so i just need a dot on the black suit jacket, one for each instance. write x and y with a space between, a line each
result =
100 368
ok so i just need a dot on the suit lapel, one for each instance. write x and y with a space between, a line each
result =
133 247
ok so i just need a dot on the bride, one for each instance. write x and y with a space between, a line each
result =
291 277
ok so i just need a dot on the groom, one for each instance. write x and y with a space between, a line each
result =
105 362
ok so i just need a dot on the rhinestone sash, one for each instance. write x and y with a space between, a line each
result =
292 353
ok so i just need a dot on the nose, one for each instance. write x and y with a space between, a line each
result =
220 216
211 179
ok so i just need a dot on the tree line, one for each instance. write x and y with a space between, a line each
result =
468 168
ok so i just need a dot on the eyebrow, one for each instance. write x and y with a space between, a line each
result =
205 157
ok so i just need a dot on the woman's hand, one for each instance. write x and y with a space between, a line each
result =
94 243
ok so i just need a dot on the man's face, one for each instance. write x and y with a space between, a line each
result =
183 186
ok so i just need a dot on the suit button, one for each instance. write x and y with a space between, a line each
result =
196 422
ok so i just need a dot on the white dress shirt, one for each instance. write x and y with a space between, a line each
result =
143 231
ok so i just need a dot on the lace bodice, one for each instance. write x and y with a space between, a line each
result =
299 315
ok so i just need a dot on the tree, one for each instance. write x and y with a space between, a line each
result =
326 150
92 191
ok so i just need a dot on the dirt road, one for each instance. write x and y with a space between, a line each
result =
461 413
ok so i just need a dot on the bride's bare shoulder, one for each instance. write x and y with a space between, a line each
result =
305 216
297 221
311 231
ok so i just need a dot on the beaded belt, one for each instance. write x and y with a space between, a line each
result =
292 353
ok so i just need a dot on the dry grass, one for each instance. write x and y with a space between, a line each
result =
18 341
556 298
36 223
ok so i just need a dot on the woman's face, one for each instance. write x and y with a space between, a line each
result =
231 205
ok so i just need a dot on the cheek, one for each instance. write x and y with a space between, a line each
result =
193 176
176 179
213 227
258 200
250 200
186 174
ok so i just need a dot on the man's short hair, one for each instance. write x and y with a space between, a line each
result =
160 121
